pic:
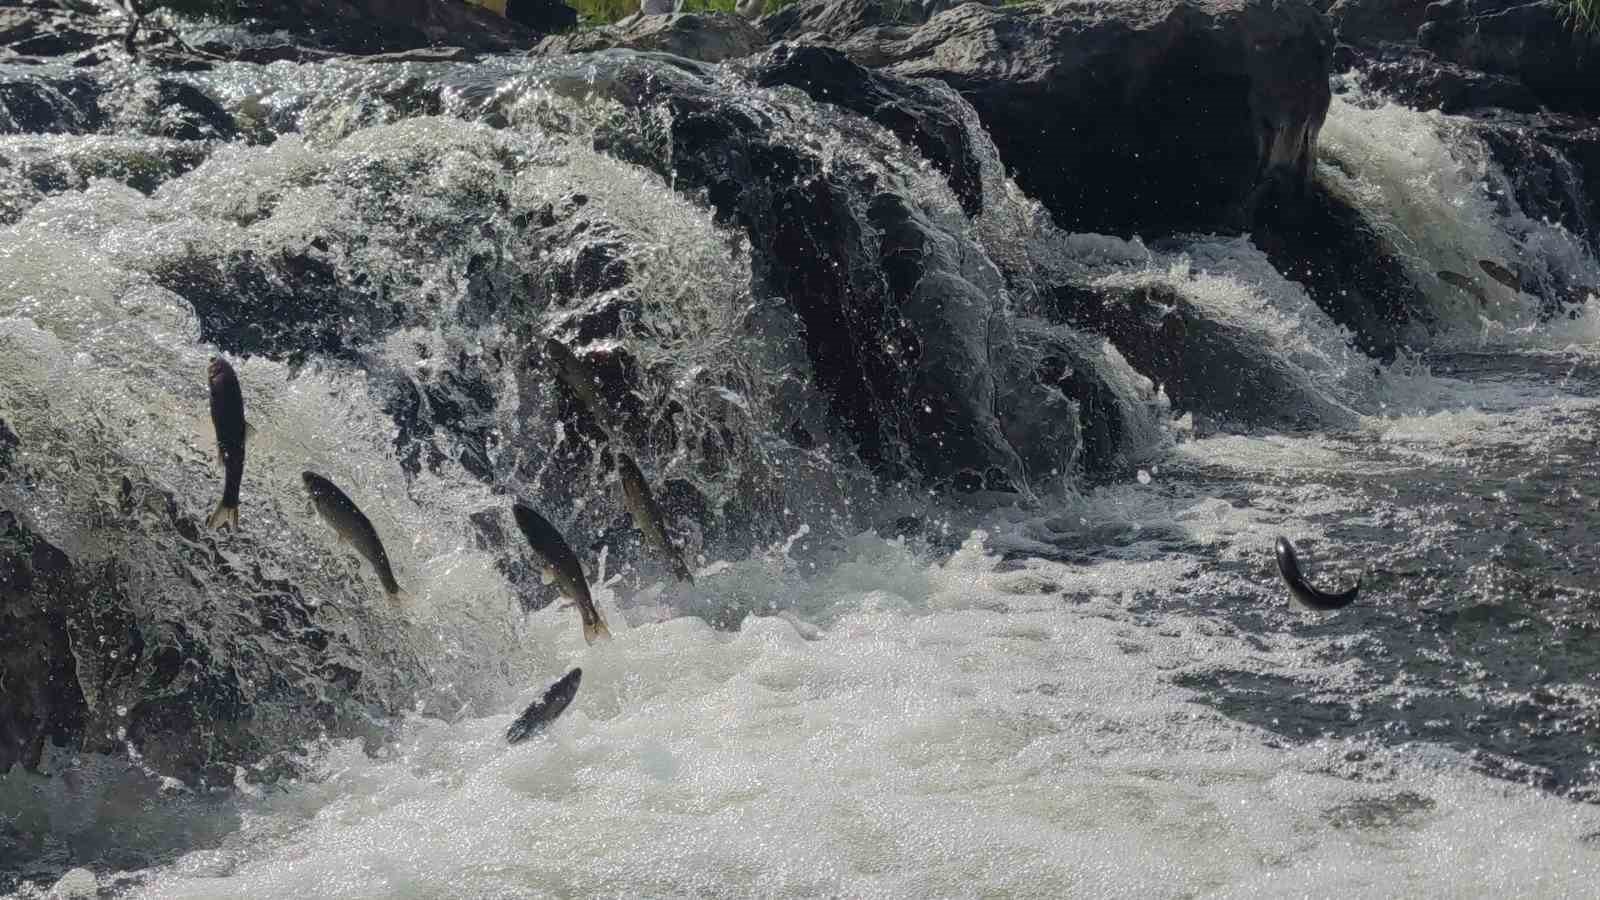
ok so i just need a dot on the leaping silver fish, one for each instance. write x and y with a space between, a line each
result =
544 710
1306 596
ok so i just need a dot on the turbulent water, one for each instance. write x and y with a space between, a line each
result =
1101 693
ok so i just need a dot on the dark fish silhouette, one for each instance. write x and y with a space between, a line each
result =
227 417
353 528
1457 280
1306 596
546 709
561 566
647 515
576 374
1500 273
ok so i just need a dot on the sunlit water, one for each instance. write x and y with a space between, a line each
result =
1105 695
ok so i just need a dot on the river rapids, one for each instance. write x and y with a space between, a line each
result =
1090 684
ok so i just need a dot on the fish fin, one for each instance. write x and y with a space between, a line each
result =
400 598
596 632
568 605
547 575
340 540
224 515
249 431
222 462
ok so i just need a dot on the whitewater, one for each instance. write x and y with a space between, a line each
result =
1102 692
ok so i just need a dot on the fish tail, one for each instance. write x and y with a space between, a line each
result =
596 631
399 597
224 514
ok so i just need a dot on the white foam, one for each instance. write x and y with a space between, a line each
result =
971 730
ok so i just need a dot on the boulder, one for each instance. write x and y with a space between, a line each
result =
1142 117
707 37
1348 268
1422 80
836 20
199 678
46 28
901 316
1532 42
1208 364
920 114
1369 23
392 26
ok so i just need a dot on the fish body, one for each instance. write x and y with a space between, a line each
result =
647 515
1306 596
546 709
1500 273
227 418
1464 283
352 526
561 567
576 375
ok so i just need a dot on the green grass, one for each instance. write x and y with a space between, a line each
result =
1583 15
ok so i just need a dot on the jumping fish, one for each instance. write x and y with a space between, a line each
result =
544 710
1306 596
561 566
576 374
227 417
647 515
1457 280
1500 273
353 528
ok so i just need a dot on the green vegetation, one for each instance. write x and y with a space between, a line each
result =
1583 15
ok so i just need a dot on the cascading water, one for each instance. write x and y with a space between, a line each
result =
1074 674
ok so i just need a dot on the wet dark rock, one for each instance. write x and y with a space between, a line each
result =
47 28
542 16
93 658
707 37
81 104
1207 366
1141 117
283 305
1553 162
1422 80
185 112
1531 42
837 19
38 703
900 317
390 26
918 114
1348 269
1376 22
53 105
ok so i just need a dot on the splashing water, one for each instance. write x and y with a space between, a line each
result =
1102 694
